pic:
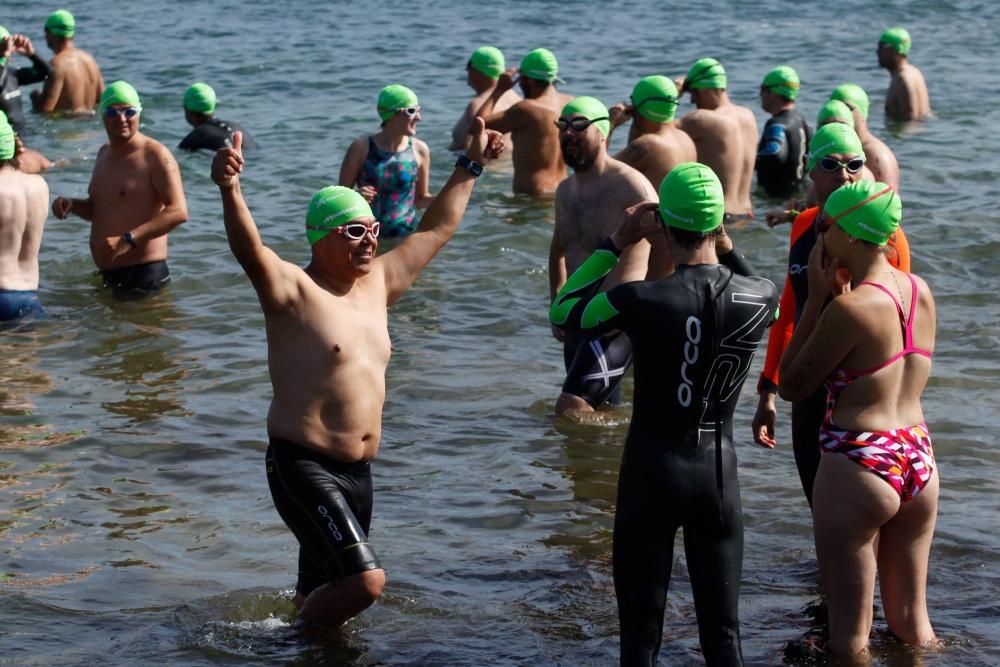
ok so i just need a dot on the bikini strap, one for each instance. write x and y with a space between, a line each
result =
899 306
913 309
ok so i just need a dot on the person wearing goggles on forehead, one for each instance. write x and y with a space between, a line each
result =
656 145
134 200
76 82
781 152
328 348
391 169
694 333
879 158
835 158
907 97
538 163
724 133
482 73
588 206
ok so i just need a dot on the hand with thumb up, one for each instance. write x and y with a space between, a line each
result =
227 165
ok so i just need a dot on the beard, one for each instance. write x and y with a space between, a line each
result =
579 157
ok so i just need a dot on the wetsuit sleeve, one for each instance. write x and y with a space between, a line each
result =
572 309
39 71
737 263
773 144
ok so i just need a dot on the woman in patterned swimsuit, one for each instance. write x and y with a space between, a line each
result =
876 492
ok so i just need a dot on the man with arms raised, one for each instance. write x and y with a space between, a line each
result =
482 72
76 83
656 145
878 157
907 97
134 199
589 205
328 348
724 133
24 200
538 164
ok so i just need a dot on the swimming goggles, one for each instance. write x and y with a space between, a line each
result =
356 231
128 112
409 111
853 166
578 124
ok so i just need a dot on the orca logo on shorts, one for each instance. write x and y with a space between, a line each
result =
329 523
692 329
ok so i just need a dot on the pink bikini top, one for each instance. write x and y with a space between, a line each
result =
842 377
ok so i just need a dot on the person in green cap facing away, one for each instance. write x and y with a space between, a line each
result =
209 132
907 97
134 200
694 334
655 143
24 203
834 111
589 205
391 169
781 152
482 73
538 163
867 332
328 348
879 158
724 133
76 83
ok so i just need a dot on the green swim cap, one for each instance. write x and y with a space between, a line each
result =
200 97
6 138
866 210
332 207
705 73
854 95
61 23
835 111
4 34
590 108
833 138
394 97
691 198
782 80
655 97
120 92
540 65
898 39
489 61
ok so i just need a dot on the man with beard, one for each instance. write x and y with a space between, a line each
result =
589 205
538 166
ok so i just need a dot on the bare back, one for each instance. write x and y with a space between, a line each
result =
538 163
75 85
907 97
880 159
655 154
460 137
726 140
24 203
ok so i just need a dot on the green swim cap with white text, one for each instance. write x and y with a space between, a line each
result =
866 210
331 207
540 65
488 60
831 139
394 97
691 198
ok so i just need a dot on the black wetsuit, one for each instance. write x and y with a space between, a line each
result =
214 134
11 81
781 153
694 334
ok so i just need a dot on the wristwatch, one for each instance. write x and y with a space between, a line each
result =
474 167
127 238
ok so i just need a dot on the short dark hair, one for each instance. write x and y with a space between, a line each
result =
690 240
14 162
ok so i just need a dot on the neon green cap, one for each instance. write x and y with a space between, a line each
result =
4 34
489 61
833 138
541 65
852 95
655 98
394 97
691 198
120 92
898 39
6 138
61 23
590 108
332 207
866 210
200 97
782 80
835 111
705 73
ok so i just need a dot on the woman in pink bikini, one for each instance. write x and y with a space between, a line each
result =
876 493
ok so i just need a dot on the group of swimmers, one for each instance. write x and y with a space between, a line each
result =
640 261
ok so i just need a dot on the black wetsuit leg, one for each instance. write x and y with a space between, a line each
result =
595 366
807 418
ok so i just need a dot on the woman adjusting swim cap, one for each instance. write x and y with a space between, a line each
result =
691 198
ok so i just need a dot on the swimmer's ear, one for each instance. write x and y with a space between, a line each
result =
479 125
238 142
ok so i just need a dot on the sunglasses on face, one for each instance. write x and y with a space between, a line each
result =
357 230
852 166
578 124
128 112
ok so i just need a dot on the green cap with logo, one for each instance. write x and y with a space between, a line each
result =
590 108
691 198
898 39
120 92
782 80
331 207
61 23
394 97
655 98
489 61
866 210
200 98
540 65
833 138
